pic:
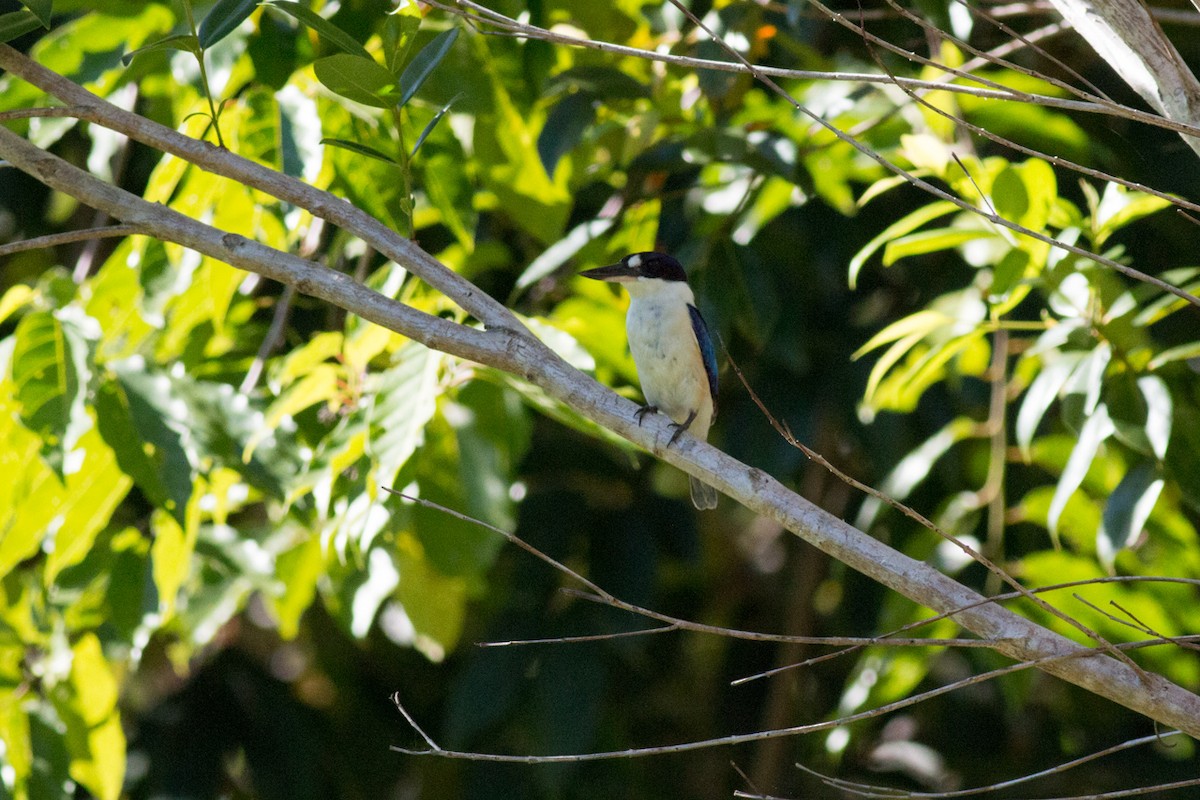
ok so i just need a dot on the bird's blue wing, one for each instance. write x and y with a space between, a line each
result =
707 352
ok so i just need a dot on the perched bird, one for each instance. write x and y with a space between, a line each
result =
675 359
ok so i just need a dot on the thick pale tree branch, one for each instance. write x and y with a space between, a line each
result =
508 346
89 107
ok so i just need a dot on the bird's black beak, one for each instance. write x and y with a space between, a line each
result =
613 272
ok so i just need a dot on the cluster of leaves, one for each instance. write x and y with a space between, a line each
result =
1111 477
145 493
182 438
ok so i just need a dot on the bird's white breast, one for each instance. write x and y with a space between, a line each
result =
663 343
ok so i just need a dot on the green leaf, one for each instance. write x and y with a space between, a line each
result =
1041 192
17 23
361 149
356 78
30 493
428 129
1039 397
324 28
320 385
906 224
94 733
403 400
565 126
562 251
1088 378
1008 273
298 569
223 19
1183 352
142 419
93 492
424 63
399 29
1119 207
1127 510
1159 413
1096 429
49 368
1009 195
42 9
920 324
931 241
914 468
435 603
114 418
185 42
15 298
172 551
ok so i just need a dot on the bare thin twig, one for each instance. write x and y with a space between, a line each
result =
69 237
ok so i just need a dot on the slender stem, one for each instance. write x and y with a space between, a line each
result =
993 487
68 237
405 161
213 112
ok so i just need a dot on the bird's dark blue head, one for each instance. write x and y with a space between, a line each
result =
640 265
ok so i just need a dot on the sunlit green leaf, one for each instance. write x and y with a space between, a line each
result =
1096 429
1159 413
298 569
403 398
98 752
1118 207
172 551
905 225
1010 196
92 494
920 324
930 241
15 298
30 494
320 385
49 369
1183 352
435 604
914 468
1088 378
1040 395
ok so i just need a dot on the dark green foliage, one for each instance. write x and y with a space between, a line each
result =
208 589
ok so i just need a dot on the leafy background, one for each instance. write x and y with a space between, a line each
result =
207 590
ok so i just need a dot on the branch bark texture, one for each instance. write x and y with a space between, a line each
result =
1125 35
507 345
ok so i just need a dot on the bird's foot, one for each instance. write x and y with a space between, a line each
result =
643 411
680 427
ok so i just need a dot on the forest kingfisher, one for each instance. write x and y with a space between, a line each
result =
675 359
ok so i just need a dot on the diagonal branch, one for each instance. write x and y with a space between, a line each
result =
510 347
